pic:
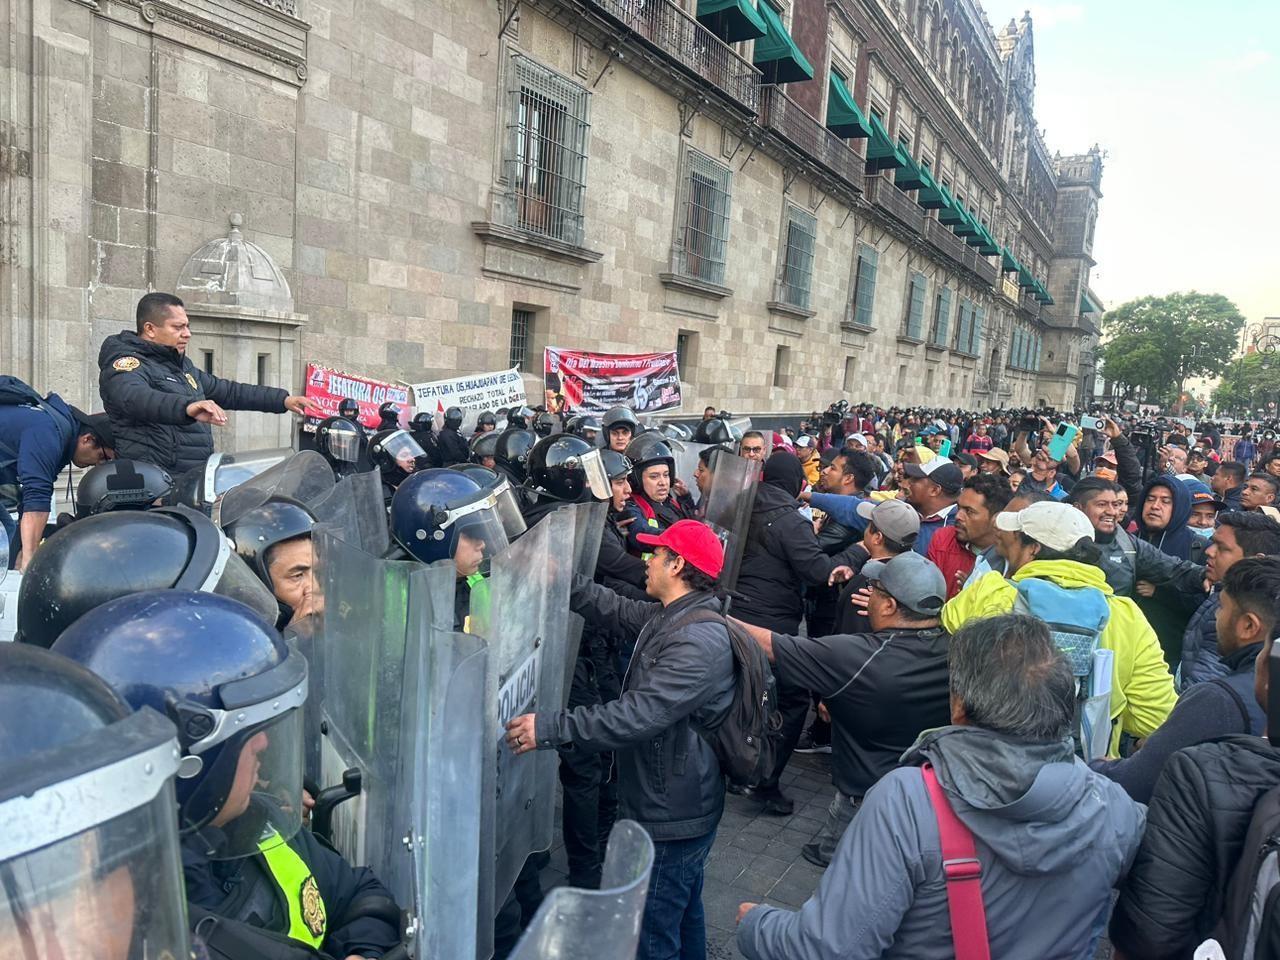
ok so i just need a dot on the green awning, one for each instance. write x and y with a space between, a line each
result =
989 247
776 54
883 153
1087 305
951 212
979 237
966 227
1025 279
844 118
930 196
732 20
1008 263
908 177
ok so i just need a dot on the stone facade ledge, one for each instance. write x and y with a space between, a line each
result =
936 347
789 310
909 341
532 243
850 327
699 288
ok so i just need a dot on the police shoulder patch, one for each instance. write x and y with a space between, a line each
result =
126 364
313 914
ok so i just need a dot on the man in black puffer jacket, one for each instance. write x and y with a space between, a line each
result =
1199 815
782 556
160 403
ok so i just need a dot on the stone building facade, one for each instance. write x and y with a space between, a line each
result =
424 188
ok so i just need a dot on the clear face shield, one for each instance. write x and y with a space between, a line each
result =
475 533
4 554
508 509
232 578
596 477
342 441
89 864
404 450
248 797
232 469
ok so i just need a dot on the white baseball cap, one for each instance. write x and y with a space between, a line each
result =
1059 526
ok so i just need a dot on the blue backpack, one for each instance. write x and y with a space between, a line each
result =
1076 618
15 392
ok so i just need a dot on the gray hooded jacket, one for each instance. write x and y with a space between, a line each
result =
1053 838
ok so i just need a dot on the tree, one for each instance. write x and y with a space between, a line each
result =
1249 384
1156 343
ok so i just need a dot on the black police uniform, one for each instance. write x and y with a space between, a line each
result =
146 389
453 449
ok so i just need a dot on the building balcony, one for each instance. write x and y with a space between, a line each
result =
663 26
985 269
805 133
947 243
888 199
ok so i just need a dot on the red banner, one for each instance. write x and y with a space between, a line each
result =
326 388
593 382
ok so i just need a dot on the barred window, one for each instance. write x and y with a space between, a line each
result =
964 317
975 333
941 317
546 164
797 258
862 303
700 249
913 321
521 323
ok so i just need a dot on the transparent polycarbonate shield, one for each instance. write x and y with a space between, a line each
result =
604 924
226 470
728 509
526 627
687 465
588 527
404 703
4 553
355 510
305 476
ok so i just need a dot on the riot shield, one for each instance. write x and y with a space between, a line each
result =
687 464
604 924
728 509
305 477
588 527
526 628
355 510
403 703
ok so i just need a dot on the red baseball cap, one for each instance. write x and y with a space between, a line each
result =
694 541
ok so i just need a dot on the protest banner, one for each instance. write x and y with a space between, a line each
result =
591 383
474 393
326 388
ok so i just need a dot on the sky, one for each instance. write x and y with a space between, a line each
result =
1184 98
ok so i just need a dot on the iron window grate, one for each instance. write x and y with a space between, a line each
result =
701 248
797 258
521 324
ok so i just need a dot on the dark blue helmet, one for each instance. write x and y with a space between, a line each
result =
432 508
234 691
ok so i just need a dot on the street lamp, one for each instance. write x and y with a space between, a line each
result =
1266 346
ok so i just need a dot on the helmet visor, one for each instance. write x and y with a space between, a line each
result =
509 511
475 533
4 554
237 582
403 450
249 798
595 476
343 443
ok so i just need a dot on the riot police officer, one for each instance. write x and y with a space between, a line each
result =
98 559
620 425
349 409
511 455
563 469
395 454
86 872
658 497
519 417
508 504
274 540
714 431
544 424
343 444
388 416
487 423
235 692
453 449
584 426
423 428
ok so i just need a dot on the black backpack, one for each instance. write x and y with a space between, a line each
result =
745 742
1249 928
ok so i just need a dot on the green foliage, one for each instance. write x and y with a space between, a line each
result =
1155 343
1247 385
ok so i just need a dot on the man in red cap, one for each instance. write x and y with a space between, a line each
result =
680 681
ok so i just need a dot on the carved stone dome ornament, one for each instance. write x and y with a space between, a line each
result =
235 272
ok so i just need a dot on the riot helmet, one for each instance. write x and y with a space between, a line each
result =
233 689
121 485
544 424
713 431
486 423
484 446
89 859
676 431
519 417
92 561
512 451
422 423
436 512
340 442
616 465
202 487
396 454
349 409
645 451
508 506
388 416
453 418
256 532
620 416
565 467
584 426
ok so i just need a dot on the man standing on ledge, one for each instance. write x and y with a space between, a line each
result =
159 402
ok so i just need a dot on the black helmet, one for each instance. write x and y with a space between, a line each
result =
512 450
257 531
619 417
229 683
340 442
544 424
88 794
422 423
714 430
484 445
519 417
388 416
396 454
487 419
349 409
616 465
584 426
565 467
453 418
675 431
647 449
121 485
432 508
95 560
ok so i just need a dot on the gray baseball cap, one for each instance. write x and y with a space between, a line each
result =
911 580
896 519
